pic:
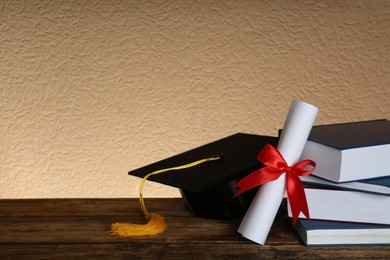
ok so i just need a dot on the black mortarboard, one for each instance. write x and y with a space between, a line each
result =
208 188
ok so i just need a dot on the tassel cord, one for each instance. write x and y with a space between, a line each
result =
156 223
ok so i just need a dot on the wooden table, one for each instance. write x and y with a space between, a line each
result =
78 228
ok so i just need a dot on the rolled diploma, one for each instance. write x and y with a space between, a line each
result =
260 215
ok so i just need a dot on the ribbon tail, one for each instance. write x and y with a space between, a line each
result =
297 197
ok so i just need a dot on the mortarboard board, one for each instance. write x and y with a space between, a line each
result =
208 188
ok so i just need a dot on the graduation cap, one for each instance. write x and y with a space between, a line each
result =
208 188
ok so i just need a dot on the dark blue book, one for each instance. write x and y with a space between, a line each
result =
378 186
350 151
331 233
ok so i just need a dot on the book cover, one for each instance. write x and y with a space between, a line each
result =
352 135
331 233
350 151
379 186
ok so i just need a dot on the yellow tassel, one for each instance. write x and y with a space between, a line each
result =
156 223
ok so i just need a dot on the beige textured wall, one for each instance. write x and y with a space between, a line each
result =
92 89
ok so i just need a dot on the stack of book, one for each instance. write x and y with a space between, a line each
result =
348 194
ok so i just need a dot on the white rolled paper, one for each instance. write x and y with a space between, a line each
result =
260 215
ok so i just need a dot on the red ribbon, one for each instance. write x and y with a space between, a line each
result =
275 165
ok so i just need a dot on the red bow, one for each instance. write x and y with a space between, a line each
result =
276 166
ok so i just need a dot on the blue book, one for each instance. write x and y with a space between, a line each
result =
350 151
379 186
330 233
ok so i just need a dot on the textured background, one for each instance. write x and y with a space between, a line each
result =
92 89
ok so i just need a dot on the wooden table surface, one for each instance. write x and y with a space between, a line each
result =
78 228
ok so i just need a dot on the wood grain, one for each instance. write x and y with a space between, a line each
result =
78 228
